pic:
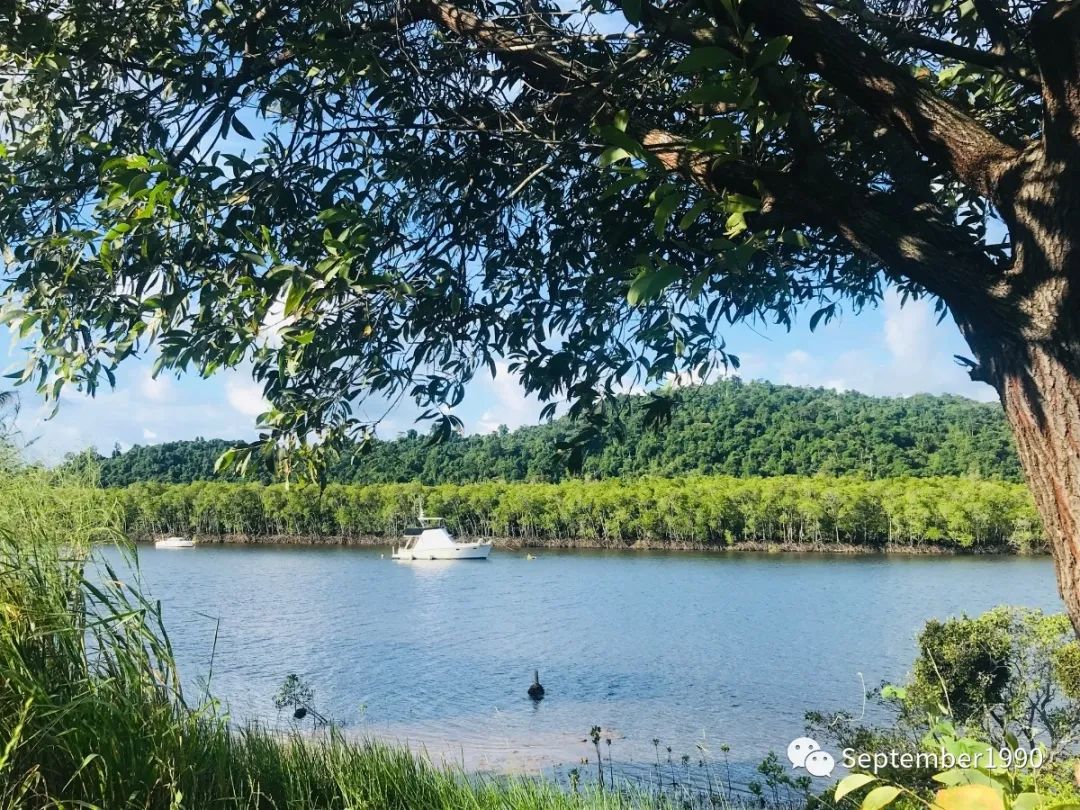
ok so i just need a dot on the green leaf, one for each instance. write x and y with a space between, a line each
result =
331 215
714 93
631 9
664 209
241 129
772 51
948 75
741 204
27 324
817 316
650 282
619 186
734 225
851 783
616 137
704 59
225 460
715 143
613 154
297 289
879 797
138 183
690 217
963 776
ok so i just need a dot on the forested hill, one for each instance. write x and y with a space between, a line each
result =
732 428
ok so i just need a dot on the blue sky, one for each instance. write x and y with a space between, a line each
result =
890 350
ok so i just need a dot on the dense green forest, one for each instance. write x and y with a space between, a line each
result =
726 428
699 510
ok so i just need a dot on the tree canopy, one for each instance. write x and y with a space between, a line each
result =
378 199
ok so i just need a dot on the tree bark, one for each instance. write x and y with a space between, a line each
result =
1041 396
1029 350
1032 358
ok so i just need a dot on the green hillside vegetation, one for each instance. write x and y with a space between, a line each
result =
816 512
726 428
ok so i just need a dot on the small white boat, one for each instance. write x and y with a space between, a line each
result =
431 541
174 542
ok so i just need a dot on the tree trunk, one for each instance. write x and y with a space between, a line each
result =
1039 387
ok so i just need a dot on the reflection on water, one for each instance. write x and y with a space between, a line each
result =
684 648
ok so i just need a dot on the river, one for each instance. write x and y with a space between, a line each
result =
696 651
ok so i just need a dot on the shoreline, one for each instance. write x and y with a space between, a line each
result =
558 544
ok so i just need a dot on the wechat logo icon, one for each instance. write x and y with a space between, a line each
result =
806 753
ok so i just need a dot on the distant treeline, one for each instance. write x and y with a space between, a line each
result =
727 428
817 512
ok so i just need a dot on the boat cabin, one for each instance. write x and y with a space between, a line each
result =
431 533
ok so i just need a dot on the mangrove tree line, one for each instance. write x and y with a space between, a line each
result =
702 510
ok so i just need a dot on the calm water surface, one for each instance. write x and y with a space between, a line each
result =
681 647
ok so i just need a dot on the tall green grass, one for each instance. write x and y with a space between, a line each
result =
92 713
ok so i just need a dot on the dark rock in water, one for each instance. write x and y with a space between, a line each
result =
300 713
536 691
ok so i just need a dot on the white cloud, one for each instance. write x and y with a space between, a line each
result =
245 396
799 367
274 322
389 429
920 360
124 417
156 390
137 412
749 363
913 354
509 404
909 329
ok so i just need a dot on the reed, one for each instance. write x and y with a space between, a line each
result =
92 713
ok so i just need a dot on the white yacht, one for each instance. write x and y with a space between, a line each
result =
431 541
174 542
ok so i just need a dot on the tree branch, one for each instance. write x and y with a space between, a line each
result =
543 66
1002 59
996 24
908 239
887 92
1055 32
